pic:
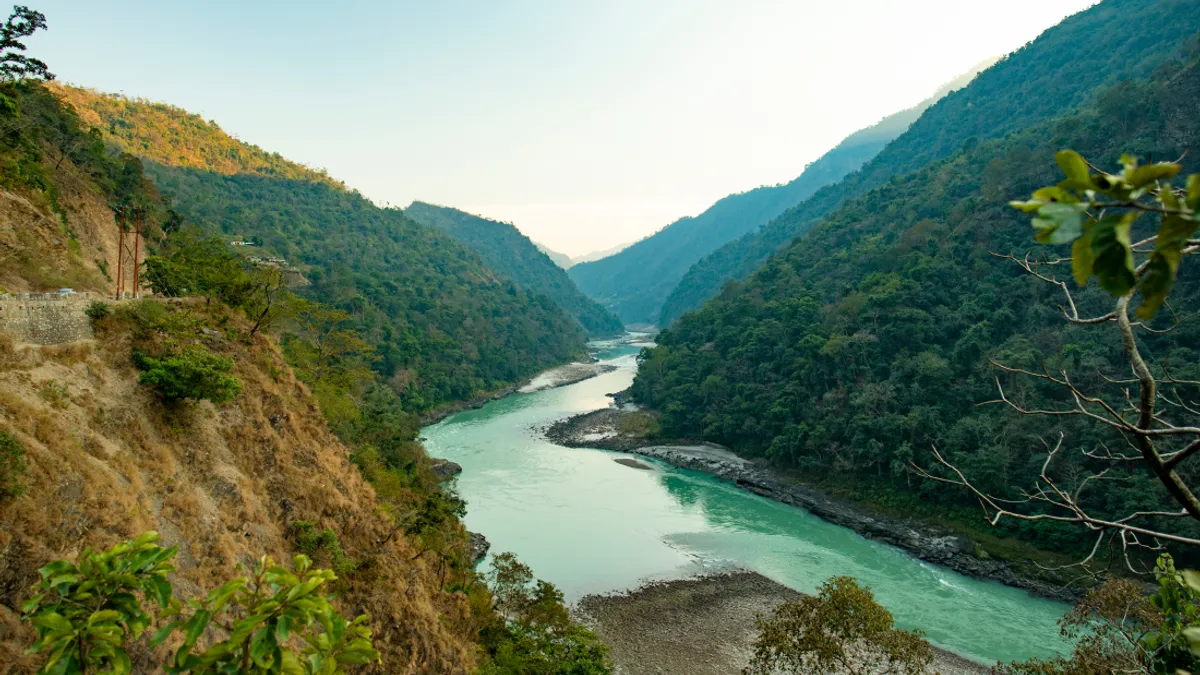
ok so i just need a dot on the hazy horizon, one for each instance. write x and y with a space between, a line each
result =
587 125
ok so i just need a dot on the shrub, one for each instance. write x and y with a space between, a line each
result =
98 310
12 467
86 613
195 373
316 543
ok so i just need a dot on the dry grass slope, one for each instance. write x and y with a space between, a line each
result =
106 461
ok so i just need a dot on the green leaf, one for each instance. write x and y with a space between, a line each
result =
1082 260
263 647
1073 164
289 664
1029 206
1157 281
162 590
53 621
163 633
196 626
1144 175
104 615
1059 223
1112 253
1174 233
1193 192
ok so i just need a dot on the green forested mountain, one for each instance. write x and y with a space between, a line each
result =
1110 42
868 340
444 326
513 255
635 281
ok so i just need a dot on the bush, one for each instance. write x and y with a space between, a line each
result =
98 310
85 613
195 373
12 467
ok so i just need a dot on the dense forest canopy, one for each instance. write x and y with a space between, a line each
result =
1108 43
636 281
870 339
513 255
444 326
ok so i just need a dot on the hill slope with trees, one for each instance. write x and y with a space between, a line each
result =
635 281
444 326
1110 42
514 256
871 339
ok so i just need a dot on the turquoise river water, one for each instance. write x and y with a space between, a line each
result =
590 525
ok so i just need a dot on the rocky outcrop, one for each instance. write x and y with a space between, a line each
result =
444 469
599 429
479 546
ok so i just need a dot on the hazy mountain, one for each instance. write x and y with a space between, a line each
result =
561 259
1056 72
635 281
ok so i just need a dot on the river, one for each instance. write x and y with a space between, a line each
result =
591 525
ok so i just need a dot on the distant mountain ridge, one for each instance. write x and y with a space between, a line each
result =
1055 73
636 281
512 254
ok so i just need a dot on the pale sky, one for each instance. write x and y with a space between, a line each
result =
587 123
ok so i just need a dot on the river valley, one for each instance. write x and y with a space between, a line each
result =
592 525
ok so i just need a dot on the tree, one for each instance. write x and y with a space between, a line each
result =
268 300
14 64
1153 412
534 633
841 629
86 613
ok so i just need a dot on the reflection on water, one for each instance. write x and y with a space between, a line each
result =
591 525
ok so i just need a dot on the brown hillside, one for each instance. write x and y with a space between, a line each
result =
106 461
42 250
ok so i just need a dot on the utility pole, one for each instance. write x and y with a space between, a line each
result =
137 238
120 250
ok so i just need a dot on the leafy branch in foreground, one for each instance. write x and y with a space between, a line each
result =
1118 628
1155 413
86 613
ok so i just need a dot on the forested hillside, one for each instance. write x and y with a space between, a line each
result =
1113 41
514 256
443 325
636 281
868 341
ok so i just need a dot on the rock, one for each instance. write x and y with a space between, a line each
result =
633 463
479 546
444 469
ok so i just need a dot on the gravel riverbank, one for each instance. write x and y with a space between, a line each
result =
700 626
603 429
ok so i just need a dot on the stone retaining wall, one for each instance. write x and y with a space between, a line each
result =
46 318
